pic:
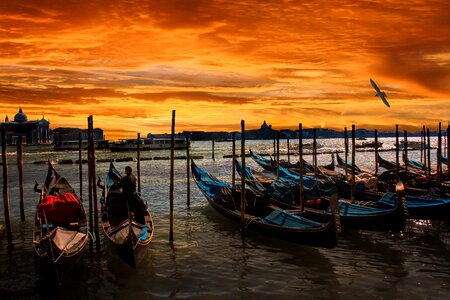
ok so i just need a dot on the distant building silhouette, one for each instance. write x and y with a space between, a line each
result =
265 132
64 134
32 132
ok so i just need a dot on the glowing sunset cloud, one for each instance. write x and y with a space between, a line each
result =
129 63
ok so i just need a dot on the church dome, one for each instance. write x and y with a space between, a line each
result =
264 126
20 117
43 122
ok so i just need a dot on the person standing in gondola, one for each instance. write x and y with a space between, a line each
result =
128 183
135 203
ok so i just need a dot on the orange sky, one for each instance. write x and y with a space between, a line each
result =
129 63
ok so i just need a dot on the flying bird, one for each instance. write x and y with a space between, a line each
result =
379 93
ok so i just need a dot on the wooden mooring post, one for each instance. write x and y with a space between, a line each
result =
278 155
300 153
315 152
376 151
138 162
233 170
243 178
422 135
92 180
188 172
429 152
6 209
345 152
439 157
172 157
20 167
448 151
353 193
288 153
405 140
274 144
90 189
400 192
212 145
397 162
80 164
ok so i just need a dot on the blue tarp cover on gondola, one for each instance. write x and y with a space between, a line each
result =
282 187
415 164
413 201
209 184
265 163
287 175
351 209
285 219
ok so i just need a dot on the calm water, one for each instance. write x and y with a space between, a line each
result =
210 260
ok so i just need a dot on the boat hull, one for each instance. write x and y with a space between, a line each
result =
132 249
389 221
323 237
323 234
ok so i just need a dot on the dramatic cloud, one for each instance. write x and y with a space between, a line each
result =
131 62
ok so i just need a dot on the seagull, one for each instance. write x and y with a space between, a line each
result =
379 93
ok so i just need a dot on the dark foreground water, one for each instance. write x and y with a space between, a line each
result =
209 260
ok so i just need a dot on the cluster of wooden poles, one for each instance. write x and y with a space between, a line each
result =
93 205
425 147
93 197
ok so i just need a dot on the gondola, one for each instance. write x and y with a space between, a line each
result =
309 168
279 192
271 166
314 186
60 232
386 164
426 207
325 181
364 217
127 226
261 216
413 164
352 216
266 164
415 177
347 165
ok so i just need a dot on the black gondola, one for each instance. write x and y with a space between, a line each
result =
352 215
127 223
261 216
386 164
60 227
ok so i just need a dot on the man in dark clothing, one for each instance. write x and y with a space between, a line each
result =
135 203
128 183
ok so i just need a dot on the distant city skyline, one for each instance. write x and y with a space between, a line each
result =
129 63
